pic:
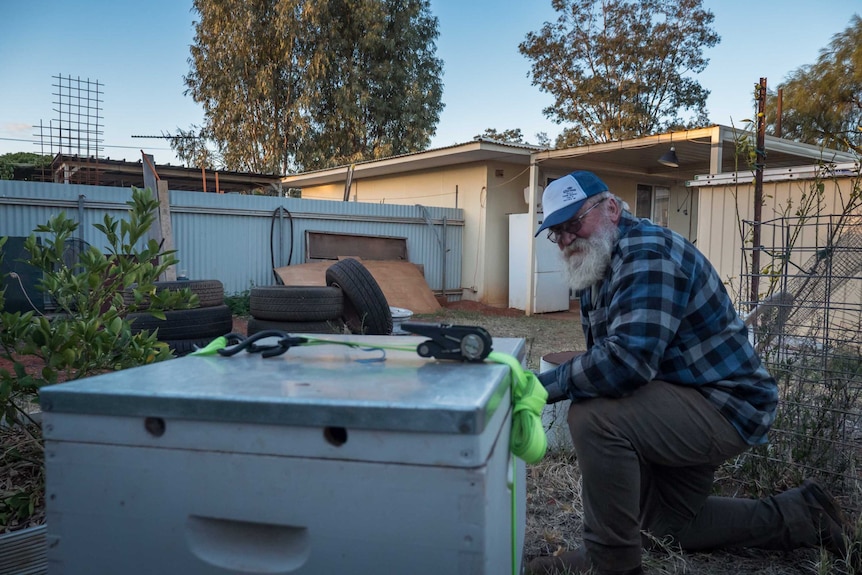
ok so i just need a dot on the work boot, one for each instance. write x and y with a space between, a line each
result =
575 562
834 530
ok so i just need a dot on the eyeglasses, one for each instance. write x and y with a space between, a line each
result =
572 226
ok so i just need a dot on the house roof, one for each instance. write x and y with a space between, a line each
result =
107 172
701 151
478 150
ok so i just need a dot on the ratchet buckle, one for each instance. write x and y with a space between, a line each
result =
458 342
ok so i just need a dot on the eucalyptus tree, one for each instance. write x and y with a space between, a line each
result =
511 136
192 146
620 69
514 136
246 71
377 90
822 103
292 85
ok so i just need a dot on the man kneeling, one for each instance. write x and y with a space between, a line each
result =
669 388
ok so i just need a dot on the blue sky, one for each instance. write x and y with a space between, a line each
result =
139 52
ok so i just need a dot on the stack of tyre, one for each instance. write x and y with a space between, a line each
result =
186 329
351 302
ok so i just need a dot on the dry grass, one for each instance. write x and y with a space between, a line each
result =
22 478
554 510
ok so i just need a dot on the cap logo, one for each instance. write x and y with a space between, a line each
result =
572 194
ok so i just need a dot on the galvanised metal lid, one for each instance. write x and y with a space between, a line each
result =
321 385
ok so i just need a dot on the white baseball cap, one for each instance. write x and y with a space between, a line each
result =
564 197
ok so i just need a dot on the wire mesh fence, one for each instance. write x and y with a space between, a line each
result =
804 313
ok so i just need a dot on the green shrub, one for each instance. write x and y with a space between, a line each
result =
88 334
239 302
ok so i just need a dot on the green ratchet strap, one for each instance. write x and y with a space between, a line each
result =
528 440
212 347
221 343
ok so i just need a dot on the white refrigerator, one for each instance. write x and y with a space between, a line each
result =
550 288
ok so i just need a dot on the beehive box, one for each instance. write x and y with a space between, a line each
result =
326 459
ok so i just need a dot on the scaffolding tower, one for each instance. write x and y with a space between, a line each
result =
76 130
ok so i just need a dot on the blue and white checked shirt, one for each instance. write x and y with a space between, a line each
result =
663 313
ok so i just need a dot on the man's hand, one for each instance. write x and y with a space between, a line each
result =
550 381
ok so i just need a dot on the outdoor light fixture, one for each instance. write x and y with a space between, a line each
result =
669 158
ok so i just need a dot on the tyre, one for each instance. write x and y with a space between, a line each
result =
332 326
365 308
198 323
296 303
210 292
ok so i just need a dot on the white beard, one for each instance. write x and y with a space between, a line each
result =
587 259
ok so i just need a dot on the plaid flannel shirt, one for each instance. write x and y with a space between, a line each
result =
663 313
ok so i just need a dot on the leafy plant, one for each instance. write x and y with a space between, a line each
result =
24 163
239 303
89 333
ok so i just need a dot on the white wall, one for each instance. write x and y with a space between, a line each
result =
722 208
506 183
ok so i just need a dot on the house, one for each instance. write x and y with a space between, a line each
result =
486 179
490 180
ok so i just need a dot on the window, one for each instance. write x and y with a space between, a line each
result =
643 209
652 203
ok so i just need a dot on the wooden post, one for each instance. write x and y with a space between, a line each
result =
151 182
778 112
166 228
760 161
530 265
348 181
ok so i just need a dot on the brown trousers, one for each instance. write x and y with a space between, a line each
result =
648 462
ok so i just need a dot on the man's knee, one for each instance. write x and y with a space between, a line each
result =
585 419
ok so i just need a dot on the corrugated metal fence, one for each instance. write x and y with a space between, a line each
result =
24 552
237 239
